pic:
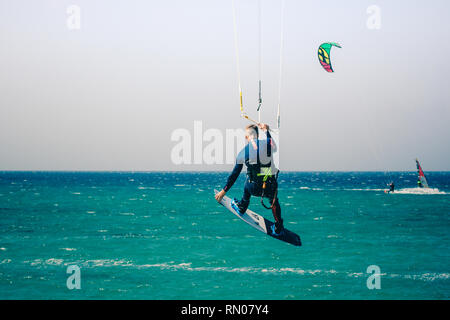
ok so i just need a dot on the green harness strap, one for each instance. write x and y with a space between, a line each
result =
267 172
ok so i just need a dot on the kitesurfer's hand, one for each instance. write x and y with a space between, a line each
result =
219 196
263 126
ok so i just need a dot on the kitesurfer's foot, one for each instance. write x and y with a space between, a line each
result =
277 228
236 207
274 232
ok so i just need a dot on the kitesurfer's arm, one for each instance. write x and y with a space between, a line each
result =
231 180
270 141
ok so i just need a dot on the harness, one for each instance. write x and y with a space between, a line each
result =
272 181
262 173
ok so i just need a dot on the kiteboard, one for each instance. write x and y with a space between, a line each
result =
261 224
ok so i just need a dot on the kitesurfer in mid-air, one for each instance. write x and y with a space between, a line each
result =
262 174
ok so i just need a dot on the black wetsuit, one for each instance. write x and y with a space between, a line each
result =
254 184
391 187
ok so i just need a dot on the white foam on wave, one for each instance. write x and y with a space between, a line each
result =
420 191
309 188
429 276
364 189
187 266
54 262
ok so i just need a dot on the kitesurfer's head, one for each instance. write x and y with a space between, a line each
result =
251 132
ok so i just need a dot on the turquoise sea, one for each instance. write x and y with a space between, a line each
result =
163 236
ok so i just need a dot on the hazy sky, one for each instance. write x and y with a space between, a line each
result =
109 95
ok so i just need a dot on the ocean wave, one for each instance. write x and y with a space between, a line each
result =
421 191
364 189
311 188
187 266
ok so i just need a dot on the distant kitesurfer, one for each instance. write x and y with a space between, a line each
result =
391 186
261 174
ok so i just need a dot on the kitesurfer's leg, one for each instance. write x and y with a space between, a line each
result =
245 201
276 208
276 211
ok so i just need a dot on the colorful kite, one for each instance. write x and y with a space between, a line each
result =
324 55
